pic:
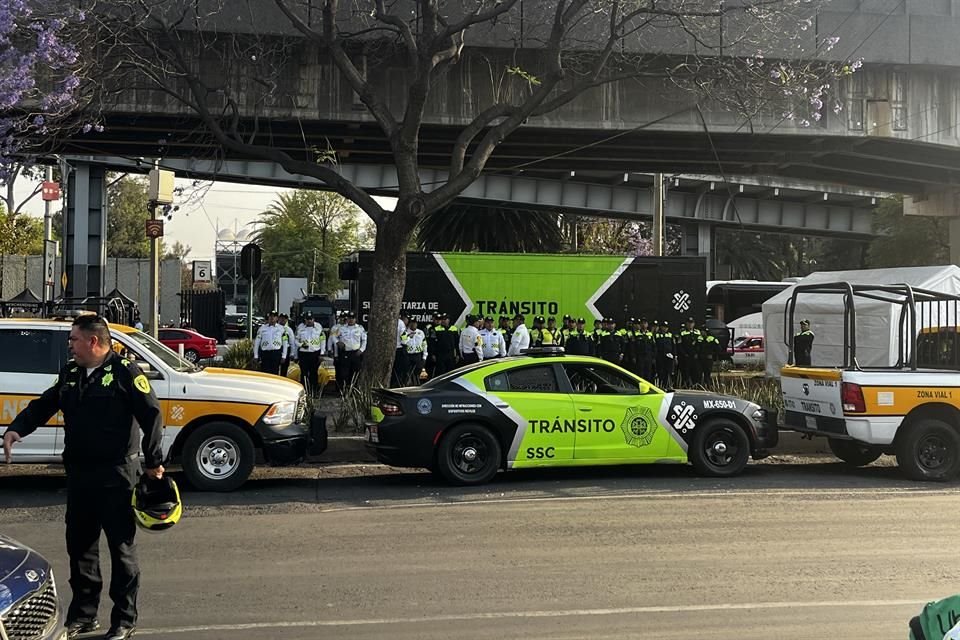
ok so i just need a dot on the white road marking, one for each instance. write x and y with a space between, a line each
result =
665 495
693 608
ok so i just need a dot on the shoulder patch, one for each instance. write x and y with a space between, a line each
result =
141 383
125 362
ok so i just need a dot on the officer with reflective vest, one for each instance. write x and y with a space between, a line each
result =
611 342
536 334
494 345
689 360
506 331
471 346
803 345
350 346
332 335
555 336
708 350
629 345
665 355
578 342
430 331
290 337
414 343
645 347
310 343
448 341
271 344
596 336
567 329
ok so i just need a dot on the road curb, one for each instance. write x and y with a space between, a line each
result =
352 448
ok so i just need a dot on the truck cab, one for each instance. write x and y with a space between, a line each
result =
902 400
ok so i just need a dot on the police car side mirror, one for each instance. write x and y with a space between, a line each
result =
644 388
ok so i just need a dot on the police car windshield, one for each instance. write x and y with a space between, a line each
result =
161 351
456 373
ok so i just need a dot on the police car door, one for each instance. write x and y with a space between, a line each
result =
32 358
545 412
622 421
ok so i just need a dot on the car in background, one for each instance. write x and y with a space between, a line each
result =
29 606
235 325
748 351
196 346
548 409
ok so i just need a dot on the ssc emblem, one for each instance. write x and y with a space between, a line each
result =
424 406
638 426
141 383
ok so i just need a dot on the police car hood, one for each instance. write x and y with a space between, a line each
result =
246 386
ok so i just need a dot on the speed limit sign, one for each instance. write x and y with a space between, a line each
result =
201 270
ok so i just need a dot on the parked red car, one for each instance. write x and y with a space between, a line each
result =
196 346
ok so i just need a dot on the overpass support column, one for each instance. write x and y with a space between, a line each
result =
697 240
85 231
955 240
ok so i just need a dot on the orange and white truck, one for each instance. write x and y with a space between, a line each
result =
874 393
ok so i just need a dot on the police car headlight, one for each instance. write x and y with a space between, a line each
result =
280 414
759 415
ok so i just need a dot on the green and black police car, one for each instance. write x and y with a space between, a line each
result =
547 409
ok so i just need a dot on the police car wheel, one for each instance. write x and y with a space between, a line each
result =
218 456
855 454
929 449
468 454
720 449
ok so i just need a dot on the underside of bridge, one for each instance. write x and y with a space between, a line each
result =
877 163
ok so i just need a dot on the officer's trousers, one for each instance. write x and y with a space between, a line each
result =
270 362
665 373
706 371
400 366
352 360
309 365
413 369
469 358
645 369
444 363
91 509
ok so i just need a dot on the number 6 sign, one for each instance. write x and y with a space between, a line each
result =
201 270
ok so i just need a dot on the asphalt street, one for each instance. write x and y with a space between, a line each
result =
795 548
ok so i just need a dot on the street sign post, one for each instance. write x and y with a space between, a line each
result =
201 271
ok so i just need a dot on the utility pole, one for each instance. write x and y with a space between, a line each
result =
50 192
658 226
160 193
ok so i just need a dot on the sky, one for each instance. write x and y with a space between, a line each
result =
207 209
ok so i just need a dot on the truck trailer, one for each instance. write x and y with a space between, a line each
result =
505 284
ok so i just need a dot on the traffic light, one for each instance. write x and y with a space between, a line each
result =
250 258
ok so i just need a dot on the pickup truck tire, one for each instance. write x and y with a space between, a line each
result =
929 450
218 456
855 454
720 448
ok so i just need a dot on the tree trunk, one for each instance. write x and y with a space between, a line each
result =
389 280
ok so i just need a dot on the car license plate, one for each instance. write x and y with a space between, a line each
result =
811 422
372 435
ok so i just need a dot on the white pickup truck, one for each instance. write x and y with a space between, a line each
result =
907 406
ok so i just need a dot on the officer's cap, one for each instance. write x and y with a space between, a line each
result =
805 321
308 316
351 314
272 313
413 320
691 320
643 319
656 323
488 319
538 319
580 321
633 320
551 319
519 316
567 317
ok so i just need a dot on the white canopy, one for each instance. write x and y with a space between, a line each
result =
877 322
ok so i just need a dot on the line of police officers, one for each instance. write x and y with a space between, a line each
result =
650 350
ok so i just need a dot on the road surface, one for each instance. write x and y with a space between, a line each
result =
789 550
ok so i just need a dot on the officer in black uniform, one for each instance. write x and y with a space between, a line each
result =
578 342
448 343
103 398
646 349
689 357
506 331
803 345
430 331
665 355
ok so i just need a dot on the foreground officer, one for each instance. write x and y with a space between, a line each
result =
103 398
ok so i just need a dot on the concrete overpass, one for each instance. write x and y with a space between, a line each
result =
897 131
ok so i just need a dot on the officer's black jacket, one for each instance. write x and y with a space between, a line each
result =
100 417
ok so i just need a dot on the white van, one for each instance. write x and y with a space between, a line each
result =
216 421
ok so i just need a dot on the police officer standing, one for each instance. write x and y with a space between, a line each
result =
350 345
665 355
471 345
103 398
520 340
578 342
708 350
399 356
494 345
536 334
291 339
611 347
505 331
415 350
332 337
646 350
430 331
310 342
556 335
689 361
596 336
803 345
448 340
270 345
